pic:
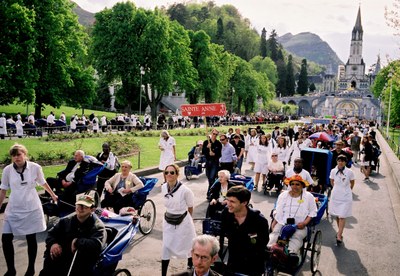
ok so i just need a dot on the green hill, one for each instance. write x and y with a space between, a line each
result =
311 47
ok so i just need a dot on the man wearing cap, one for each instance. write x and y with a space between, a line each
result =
3 126
82 234
294 207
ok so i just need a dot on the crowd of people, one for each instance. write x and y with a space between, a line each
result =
19 126
274 157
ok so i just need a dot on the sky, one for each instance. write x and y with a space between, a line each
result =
332 20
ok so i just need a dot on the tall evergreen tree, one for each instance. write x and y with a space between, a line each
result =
282 74
273 46
220 31
290 81
302 84
312 87
263 43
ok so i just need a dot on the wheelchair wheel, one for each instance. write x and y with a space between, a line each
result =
188 174
316 251
147 217
121 272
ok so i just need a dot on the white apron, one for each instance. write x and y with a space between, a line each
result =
24 213
177 239
167 155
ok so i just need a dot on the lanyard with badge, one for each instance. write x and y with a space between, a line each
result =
23 183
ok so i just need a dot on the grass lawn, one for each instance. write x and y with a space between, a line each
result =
149 152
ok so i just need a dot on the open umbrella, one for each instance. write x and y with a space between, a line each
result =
321 136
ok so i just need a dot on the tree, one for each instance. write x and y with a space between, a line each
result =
54 67
263 43
312 87
178 12
290 81
266 66
220 31
273 46
126 38
302 84
17 44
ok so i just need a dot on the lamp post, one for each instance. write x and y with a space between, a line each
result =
141 88
390 102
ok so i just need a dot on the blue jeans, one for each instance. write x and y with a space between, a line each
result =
212 168
239 163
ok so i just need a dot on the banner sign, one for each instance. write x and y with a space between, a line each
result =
214 109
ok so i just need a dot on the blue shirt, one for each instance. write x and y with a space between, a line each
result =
228 153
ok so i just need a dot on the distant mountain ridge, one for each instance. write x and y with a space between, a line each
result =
303 45
84 17
311 47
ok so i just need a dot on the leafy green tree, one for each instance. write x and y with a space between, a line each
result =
302 84
266 66
290 81
126 39
389 78
54 67
178 12
263 43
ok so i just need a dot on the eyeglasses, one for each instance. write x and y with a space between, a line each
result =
274 155
201 258
295 184
222 139
215 134
169 172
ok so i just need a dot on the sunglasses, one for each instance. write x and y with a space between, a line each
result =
222 139
274 155
169 172
295 184
215 134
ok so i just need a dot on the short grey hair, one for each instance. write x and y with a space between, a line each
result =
80 152
204 240
226 173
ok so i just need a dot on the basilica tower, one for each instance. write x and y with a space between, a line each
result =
354 77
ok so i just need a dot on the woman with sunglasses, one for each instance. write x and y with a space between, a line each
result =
178 227
24 212
120 188
294 207
340 203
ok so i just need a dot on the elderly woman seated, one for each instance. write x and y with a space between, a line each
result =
295 207
218 194
119 189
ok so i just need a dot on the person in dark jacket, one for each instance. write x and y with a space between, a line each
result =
70 178
82 234
247 233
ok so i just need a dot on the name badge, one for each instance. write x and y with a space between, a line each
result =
24 183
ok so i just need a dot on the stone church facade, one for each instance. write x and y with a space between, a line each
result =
346 94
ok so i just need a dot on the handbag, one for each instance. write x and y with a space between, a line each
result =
174 219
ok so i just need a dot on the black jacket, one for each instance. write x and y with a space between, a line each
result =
79 173
91 239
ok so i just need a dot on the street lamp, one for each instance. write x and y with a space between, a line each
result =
390 102
141 88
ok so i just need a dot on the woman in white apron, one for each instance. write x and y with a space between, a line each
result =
167 147
24 213
19 125
177 236
252 152
341 201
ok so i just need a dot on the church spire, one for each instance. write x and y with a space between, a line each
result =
358 29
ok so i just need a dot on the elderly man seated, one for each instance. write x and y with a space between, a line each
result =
68 180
